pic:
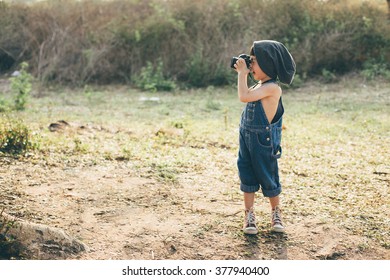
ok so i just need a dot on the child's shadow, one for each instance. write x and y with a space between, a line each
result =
266 245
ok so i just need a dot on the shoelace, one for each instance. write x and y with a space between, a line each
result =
251 217
276 216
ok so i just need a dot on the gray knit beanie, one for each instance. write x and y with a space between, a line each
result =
275 60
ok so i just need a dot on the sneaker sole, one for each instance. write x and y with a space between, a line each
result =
278 229
251 231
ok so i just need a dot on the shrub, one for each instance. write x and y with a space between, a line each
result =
21 87
4 105
78 42
372 70
152 78
328 76
15 138
13 42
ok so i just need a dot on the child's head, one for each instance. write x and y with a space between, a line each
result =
274 60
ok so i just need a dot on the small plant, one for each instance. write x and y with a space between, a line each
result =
298 81
177 124
213 105
9 247
372 70
166 173
88 93
21 87
328 76
79 146
152 78
4 106
15 138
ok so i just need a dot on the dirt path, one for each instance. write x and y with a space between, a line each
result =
120 215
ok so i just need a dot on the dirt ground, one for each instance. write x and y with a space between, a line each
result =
120 215
120 209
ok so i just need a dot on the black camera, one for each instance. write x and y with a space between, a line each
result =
246 57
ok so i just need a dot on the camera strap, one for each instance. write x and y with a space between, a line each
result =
253 80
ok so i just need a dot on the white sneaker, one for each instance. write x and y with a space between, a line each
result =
250 222
276 223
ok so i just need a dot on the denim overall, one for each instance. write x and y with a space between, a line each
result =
259 149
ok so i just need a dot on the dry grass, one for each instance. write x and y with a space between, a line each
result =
182 148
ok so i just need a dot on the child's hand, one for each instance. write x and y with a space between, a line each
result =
241 66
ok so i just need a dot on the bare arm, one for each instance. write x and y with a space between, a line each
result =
246 94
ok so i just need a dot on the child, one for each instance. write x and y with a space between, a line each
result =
261 127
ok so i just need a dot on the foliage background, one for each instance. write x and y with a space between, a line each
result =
335 171
79 42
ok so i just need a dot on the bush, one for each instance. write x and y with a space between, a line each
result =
15 138
78 42
4 105
21 86
152 78
372 70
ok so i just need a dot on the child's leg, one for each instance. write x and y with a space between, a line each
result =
249 199
277 224
274 201
249 220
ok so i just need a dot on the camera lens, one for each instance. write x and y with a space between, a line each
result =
233 61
